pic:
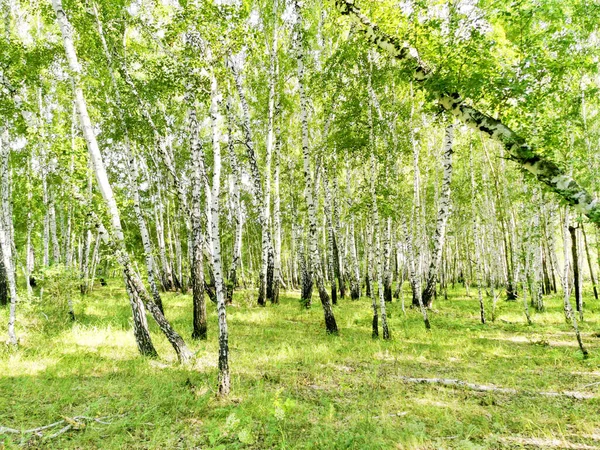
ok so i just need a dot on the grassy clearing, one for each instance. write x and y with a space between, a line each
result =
295 387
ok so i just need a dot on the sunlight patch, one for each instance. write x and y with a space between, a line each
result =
20 367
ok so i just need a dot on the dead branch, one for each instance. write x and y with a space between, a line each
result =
491 388
75 423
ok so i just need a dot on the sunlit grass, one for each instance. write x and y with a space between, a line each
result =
296 387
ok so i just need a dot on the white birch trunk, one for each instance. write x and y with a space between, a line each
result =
224 384
259 192
277 276
444 209
314 269
5 241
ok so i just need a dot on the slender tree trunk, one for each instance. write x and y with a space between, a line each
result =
167 274
330 323
387 272
338 246
442 219
277 275
369 278
132 176
576 273
415 279
5 241
478 276
4 295
355 278
378 263
330 240
257 186
589 260
53 234
238 214
197 273
569 314
224 383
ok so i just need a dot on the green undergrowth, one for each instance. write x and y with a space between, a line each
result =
293 386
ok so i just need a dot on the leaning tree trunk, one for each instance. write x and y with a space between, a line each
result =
132 282
330 323
545 170
442 219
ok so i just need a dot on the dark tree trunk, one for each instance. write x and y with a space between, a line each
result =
547 284
367 286
307 285
590 264
355 291
210 291
387 288
511 292
3 283
576 273
338 270
330 323
140 324
197 278
270 272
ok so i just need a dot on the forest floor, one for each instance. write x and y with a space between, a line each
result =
295 387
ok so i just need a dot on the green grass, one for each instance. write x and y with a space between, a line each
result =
295 387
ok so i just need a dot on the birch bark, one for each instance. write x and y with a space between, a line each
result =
330 323
224 383
5 241
442 218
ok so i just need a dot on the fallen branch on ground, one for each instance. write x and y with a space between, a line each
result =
491 388
75 423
